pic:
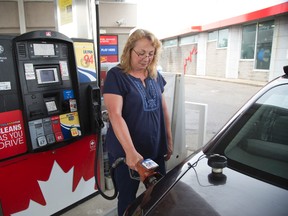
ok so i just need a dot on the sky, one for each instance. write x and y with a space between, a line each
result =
170 17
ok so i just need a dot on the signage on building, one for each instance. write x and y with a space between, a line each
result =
109 48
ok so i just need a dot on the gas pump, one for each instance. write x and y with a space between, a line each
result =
45 98
49 87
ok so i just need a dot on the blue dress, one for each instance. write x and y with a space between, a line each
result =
142 112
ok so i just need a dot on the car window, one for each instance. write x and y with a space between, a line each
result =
261 142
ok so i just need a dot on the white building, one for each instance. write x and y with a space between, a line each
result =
252 46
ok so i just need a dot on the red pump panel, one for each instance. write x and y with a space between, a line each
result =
12 134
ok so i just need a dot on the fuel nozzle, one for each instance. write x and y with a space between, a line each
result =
146 170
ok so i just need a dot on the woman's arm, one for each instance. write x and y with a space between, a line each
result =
114 104
168 128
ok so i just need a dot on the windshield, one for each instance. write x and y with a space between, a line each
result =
259 142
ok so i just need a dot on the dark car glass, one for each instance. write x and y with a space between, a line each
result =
258 143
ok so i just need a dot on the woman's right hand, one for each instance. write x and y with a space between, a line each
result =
132 158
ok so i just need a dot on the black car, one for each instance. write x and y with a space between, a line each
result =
243 170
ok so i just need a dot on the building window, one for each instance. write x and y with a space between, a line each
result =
222 38
170 43
264 44
248 41
188 40
257 43
212 35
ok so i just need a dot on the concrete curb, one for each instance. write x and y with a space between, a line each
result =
240 81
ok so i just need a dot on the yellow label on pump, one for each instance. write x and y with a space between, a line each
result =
85 59
70 125
85 55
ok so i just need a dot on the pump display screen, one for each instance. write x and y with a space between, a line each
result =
43 49
47 75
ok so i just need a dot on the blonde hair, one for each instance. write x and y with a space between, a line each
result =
125 62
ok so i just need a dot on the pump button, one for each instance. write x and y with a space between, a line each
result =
50 138
42 141
59 136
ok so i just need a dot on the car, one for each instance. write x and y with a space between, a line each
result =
242 170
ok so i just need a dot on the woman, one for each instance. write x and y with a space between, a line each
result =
139 121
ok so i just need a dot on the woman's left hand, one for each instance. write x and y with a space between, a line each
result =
169 153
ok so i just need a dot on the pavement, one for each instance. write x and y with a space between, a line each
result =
97 205
223 98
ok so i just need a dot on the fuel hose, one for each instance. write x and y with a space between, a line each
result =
112 169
